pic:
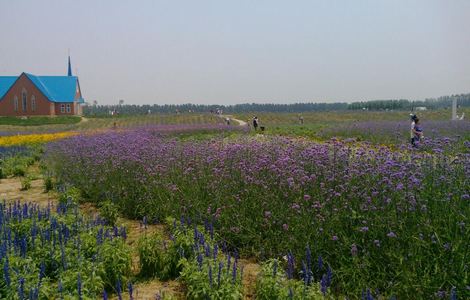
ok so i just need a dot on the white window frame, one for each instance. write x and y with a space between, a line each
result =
15 103
62 108
33 103
24 100
68 109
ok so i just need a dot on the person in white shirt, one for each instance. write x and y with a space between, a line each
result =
412 134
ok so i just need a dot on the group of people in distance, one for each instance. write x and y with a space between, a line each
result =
416 129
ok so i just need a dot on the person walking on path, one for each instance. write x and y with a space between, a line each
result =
255 123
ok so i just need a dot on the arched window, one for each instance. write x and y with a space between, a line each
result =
15 103
33 103
24 99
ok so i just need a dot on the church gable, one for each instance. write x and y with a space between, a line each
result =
24 98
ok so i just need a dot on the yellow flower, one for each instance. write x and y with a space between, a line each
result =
29 139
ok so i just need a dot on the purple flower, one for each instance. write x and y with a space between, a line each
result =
295 206
353 250
364 229
391 234
334 238
210 275
440 294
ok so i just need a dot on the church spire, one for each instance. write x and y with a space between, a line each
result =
70 68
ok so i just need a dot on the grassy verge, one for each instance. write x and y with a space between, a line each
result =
40 120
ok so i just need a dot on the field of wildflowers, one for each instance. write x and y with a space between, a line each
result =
382 222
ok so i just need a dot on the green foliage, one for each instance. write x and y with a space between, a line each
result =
110 212
162 295
25 183
151 256
116 258
17 165
202 281
71 195
19 171
272 284
40 120
160 258
48 184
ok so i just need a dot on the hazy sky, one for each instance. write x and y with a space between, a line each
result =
226 52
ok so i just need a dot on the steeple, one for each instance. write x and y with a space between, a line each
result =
70 68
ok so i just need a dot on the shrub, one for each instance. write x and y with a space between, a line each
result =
25 183
48 184
19 171
151 256
70 195
110 213
160 258
208 278
272 284
116 258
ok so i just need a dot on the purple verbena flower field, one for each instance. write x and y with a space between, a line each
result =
386 221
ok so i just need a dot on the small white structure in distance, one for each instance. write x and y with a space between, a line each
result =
454 111
421 108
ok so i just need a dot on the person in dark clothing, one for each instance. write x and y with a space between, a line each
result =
255 123
417 132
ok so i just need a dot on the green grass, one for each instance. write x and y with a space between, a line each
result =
39 120
97 123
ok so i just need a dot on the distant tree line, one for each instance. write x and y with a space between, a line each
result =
463 100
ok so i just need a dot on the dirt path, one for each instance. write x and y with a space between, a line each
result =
240 122
10 191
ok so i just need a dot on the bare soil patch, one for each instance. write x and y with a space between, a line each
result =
10 191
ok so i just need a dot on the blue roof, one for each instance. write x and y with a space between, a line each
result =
5 83
55 88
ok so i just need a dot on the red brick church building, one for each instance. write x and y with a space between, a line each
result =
31 95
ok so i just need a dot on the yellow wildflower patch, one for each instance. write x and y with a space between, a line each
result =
28 139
